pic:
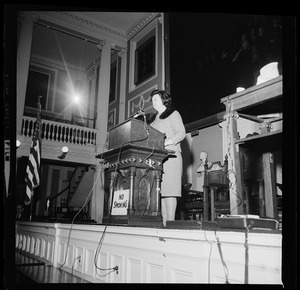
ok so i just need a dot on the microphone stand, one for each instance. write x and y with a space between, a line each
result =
137 114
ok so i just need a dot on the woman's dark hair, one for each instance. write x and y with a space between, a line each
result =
165 97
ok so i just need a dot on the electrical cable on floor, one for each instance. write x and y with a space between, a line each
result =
222 258
116 268
209 256
103 235
72 222
111 203
247 250
84 204
109 220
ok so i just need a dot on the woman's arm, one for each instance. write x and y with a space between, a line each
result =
178 129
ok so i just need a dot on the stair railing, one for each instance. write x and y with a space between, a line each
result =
54 198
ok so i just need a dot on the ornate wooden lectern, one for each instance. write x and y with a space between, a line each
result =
133 175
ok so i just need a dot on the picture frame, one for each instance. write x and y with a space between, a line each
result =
144 61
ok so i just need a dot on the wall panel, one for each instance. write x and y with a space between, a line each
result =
155 255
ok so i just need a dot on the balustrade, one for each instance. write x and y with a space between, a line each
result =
60 132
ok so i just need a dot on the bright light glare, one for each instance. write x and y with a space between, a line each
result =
65 149
76 99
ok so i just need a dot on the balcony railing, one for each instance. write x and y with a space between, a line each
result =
60 132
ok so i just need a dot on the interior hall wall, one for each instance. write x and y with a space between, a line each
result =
210 140
138 93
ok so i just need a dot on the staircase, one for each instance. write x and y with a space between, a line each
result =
78 195
76 178
82 187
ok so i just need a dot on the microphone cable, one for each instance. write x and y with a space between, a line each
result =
112 269
84 204
72 222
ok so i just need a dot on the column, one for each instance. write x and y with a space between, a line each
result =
235 190
132 197
103 96
122 104
113 176
269 185
157 178
23 60
97 201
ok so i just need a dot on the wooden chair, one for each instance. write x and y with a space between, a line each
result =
216 188
193 201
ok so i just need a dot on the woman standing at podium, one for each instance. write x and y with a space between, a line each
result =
169 121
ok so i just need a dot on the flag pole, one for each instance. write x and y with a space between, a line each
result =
31 207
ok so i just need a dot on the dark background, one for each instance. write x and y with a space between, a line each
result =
202 49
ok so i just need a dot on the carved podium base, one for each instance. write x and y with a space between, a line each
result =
133 171
133 174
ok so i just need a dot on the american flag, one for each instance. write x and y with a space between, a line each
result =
32 177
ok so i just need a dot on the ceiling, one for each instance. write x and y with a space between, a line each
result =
120 20
68 49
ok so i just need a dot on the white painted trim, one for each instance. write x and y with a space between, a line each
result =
157 255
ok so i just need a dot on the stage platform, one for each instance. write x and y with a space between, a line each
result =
30 270
189 252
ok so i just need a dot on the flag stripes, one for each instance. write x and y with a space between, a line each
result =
32 177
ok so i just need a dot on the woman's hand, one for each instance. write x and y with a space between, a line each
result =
168 142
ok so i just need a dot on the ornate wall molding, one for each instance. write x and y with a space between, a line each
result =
93 24
92 68
53 63
109 29
141 101
122 51
77 23
101 44
85 25
136 28
26 15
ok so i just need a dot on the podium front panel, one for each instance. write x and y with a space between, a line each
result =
135 132
138 169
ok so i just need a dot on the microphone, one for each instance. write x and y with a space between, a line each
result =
137 114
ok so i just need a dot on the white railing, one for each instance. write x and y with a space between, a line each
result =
60 132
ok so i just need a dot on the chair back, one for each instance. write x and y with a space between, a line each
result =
215 174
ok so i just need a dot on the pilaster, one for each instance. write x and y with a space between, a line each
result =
101 125
103 96
122 103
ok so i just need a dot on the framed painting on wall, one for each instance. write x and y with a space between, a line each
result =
144 61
